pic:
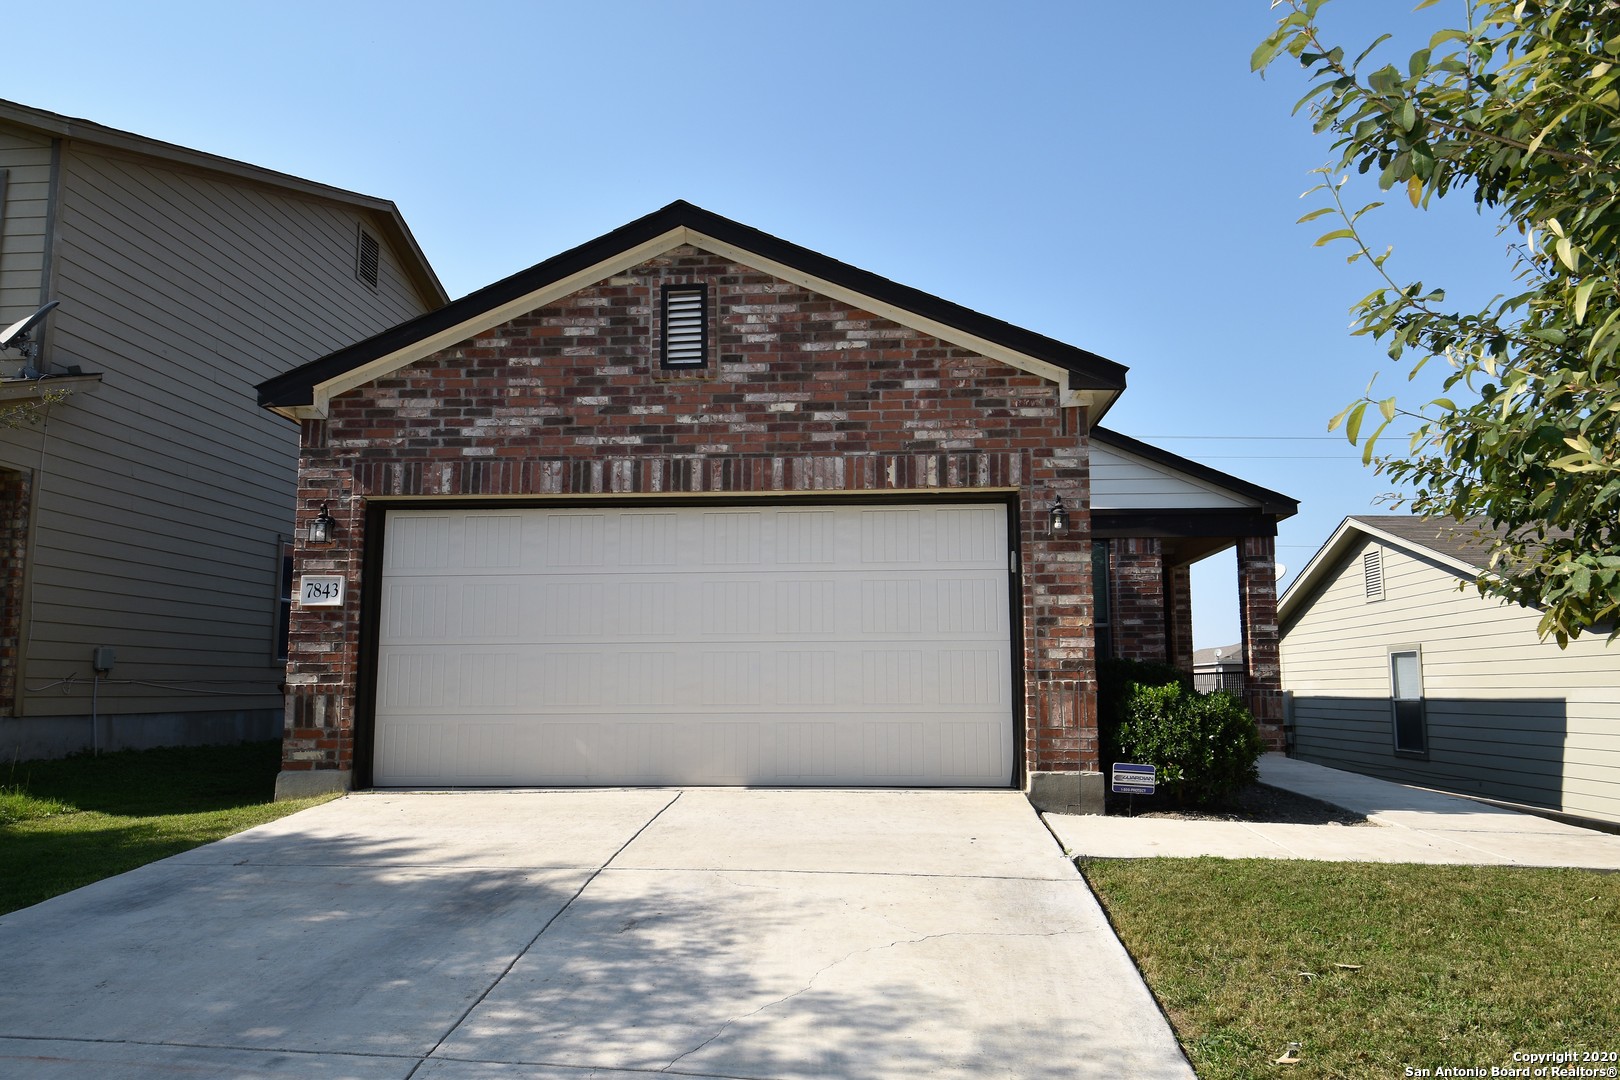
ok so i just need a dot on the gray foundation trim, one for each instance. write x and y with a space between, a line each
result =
30 738
1066 792
303 783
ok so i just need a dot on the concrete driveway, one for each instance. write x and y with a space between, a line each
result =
559 935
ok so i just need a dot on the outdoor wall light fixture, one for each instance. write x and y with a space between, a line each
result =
323 528
1057 519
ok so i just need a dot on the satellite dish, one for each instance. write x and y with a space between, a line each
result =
1281 570
17 336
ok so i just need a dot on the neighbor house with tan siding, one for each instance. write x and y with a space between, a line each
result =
1395 666
150 511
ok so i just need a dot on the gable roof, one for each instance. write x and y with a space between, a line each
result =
1267 501
384 214
1464 547
304 392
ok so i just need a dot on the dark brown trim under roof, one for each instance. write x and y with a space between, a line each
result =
1198 522
296 387
1273 503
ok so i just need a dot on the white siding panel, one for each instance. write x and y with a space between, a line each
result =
777 645
1122 481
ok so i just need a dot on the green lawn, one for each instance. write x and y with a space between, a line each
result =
1371 968
67 823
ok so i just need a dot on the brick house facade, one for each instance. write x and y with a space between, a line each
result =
818 384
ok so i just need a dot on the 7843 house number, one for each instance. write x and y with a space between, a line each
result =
320 590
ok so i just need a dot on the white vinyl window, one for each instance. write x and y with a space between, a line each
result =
1406 701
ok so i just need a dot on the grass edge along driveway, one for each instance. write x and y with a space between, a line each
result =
1372 968
69 822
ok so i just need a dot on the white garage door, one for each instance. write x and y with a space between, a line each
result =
813 645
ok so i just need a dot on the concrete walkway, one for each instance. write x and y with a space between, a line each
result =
1411 825
610 934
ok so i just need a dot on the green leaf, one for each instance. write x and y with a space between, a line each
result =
1352 423
1266 51
1314 214
1566 253
1368 52
1583 294
1367 450
1414 189
1336 234
1387 408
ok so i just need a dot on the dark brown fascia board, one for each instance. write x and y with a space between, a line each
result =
384 211
1271 502
296 387
1181 524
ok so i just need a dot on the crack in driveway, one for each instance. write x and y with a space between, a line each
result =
548 925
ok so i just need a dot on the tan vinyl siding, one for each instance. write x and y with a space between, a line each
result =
26 159
1508 716
165 489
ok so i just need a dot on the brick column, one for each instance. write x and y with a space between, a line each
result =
1139 601
1061 755
1178 604
317 746
1257 602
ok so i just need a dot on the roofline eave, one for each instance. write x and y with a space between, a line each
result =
1083 378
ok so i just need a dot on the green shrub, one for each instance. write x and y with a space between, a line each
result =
1204 746
1115 680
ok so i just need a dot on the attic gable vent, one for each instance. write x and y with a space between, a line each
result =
686 331
365 259
1372 574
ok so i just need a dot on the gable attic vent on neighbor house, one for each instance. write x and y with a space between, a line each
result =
1372 573
366 258
686 332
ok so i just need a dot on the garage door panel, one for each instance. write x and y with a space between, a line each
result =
771 645
691 748
545 679
965 747
970 536
805 537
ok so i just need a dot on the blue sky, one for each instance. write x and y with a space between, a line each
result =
1109 174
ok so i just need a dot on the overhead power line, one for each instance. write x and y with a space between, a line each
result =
1268 438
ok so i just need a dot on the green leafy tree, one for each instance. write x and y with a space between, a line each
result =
1520 108
24 413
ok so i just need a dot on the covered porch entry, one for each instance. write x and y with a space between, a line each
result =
1153 515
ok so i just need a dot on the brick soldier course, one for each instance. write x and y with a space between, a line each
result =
881 392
